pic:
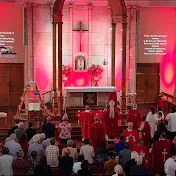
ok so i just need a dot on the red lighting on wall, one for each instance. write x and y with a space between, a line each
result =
168 72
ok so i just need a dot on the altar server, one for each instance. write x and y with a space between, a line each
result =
171 118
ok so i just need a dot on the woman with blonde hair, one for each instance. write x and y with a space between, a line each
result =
119 171
65 128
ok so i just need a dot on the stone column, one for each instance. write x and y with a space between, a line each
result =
60 63
124 27
54 57
113 54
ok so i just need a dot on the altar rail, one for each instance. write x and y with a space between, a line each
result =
169 98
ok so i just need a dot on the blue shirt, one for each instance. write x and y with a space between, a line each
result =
119 146
38 148
13 147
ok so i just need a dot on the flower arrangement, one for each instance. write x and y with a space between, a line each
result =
95 70
66 70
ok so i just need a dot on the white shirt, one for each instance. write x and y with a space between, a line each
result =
170 167
88 152
171 118
151 119
76 167
6 165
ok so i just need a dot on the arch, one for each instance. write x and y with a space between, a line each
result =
118 9
119 15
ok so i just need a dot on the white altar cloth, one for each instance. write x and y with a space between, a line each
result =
90 89
75 95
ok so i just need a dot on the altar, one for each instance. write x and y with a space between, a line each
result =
90 95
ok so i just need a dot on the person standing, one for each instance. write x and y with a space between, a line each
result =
48 128
20 165
134 116
171 118
161 152
73 150
6 163
144 131
131 135
30 132
13 145
143 151
152 119
170 165
24 145
85 119
124 155
65 128
66 164
97 133
88 151
52 154
119 145
11 131
110 118
139 169
19 131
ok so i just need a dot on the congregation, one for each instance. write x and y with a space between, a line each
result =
146 147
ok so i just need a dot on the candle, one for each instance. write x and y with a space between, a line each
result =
52 93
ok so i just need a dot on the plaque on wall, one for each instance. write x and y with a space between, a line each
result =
90 98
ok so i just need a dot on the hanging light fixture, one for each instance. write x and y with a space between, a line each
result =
105 62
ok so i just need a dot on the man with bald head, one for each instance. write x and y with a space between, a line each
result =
48 128
131 135
19 131
97 133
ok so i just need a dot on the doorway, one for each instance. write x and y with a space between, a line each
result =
11 84
147 83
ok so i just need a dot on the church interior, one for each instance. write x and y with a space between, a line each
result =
57 56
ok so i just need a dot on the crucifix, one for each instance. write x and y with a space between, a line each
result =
80 28
164 153
80 63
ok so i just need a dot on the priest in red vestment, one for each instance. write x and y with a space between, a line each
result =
97 133
144 131
160 153
134 116
110 118
85 119
143 150
131 135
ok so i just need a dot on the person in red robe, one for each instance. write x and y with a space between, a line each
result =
160 153
144 131
85 119
134 116
131 135
143 150
110 118
97 133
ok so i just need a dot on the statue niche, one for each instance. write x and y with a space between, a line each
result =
80 62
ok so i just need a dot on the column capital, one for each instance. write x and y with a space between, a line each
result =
55 19
117 19
70 5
